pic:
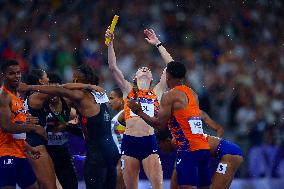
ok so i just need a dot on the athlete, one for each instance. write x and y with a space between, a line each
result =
43 167
229 155
102 153
117 127
14 165
179 108
139 142
57 117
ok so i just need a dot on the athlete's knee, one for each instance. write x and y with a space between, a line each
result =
33 186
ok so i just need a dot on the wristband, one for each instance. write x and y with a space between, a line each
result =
159 44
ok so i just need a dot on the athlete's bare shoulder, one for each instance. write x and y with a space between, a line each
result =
4 98
178 99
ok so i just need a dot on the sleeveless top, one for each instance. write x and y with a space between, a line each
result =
14 144
33 138
52 119
148 100
98 136
186 125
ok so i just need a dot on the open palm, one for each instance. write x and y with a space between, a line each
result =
151 37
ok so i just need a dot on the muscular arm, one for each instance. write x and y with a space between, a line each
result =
153 40
80 86
160 121
57 91
5 123
212 124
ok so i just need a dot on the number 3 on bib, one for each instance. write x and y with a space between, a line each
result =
195 125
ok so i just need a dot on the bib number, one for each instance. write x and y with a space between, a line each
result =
195 125
56 138
21 136
222 168
146 108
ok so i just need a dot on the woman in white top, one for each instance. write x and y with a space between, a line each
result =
116 103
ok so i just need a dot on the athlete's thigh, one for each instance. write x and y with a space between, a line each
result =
153 168
119 182
43 168
174 184
130 169
225 171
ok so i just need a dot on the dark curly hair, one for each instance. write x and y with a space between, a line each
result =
7 63
34 76
88 73
176 69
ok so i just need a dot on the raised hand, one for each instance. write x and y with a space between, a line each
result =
151 37
110 35
134 106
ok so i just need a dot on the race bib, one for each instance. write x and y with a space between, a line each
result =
20 136
100 98
56 138
196 125
147 108
222 168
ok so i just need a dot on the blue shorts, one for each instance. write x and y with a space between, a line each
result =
14 171
193 168
139 147
226 147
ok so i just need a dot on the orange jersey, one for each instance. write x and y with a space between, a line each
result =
186 125
14 144
148 100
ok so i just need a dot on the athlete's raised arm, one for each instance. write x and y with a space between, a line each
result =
159 121
212 124
152 38
115 71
